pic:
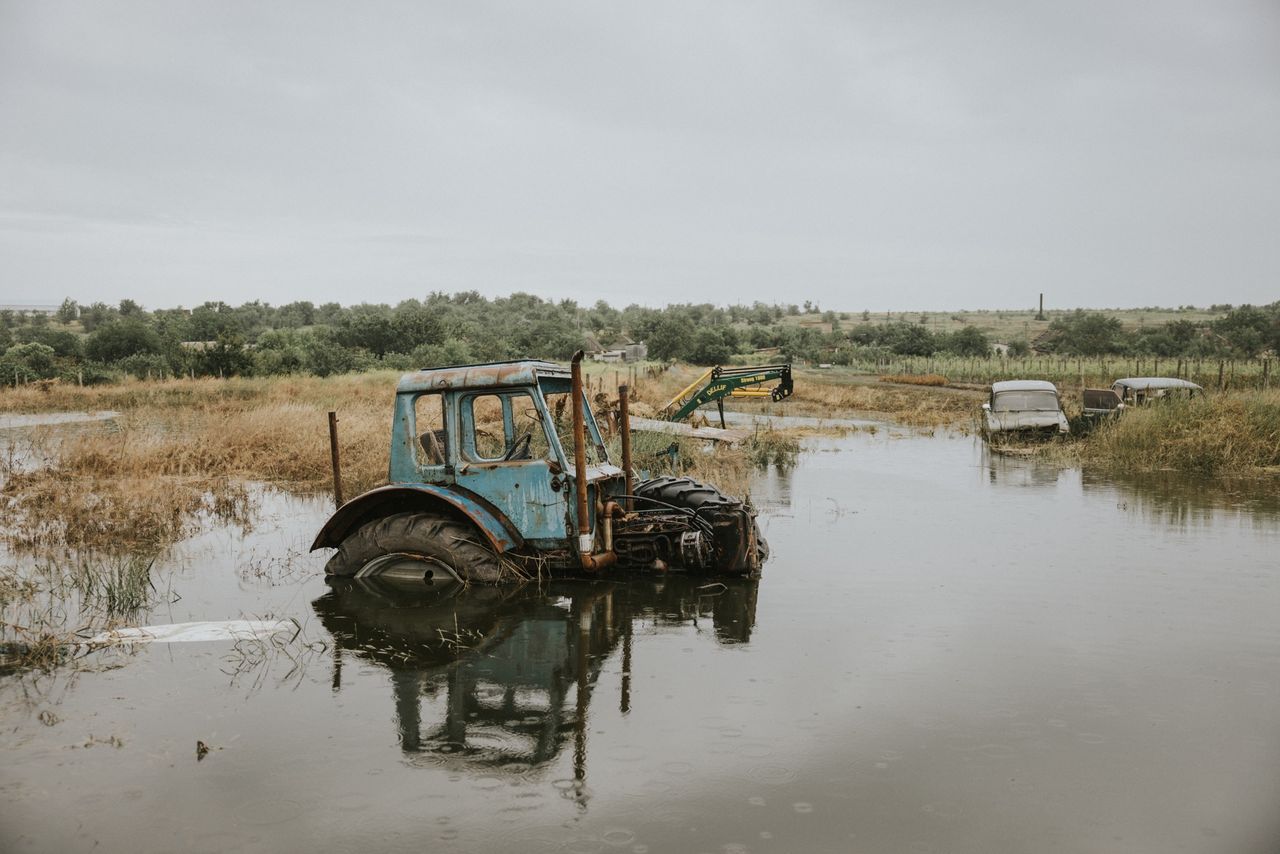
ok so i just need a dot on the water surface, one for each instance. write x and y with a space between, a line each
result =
948 651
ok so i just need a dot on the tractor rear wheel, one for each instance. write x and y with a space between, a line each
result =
740 547
416 542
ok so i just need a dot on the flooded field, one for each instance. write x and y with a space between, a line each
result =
947 651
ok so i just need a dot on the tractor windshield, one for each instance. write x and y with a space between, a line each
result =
559 407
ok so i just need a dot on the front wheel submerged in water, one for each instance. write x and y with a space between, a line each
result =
424 543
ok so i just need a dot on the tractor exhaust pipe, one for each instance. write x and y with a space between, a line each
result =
590 562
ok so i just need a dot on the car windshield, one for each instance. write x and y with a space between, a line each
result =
1026 401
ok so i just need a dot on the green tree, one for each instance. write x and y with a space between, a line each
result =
26 362
68 311
414 325
367 327
325 356
1247 331
212 319
713 345
64 343
96 315
969 341
1086 334
226 358
908 339
295 314
120 339
672 337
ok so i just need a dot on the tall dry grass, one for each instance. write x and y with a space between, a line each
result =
182 449
920 406
915 379
1215 434
195 394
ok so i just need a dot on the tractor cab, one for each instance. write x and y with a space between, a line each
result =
500 431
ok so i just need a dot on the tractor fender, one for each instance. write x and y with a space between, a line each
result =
402 497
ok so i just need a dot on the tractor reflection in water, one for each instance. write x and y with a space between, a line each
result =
508 671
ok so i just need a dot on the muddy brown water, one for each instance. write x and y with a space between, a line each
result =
947 652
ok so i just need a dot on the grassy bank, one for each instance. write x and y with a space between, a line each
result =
1218 434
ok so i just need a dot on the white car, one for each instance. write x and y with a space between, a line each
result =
1031 406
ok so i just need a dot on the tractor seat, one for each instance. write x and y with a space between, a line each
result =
433 443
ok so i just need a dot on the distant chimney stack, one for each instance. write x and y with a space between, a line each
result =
1040 315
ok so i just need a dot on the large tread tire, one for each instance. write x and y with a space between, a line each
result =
686 492
709 503
452 542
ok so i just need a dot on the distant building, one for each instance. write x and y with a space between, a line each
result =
609 356
619 349
30 308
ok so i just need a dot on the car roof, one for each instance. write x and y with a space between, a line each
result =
523 372
1145 383
1023 385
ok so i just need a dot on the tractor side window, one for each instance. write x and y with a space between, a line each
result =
432 439
503 428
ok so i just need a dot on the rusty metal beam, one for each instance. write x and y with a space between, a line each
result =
624 427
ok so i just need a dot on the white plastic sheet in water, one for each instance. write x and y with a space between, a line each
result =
214 630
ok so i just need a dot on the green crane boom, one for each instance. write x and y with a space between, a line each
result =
721 382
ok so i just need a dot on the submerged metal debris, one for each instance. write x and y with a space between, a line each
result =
209 630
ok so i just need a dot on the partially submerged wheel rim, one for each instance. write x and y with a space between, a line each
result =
408 567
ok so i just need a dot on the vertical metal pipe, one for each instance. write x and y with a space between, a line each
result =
333 455
580 455
624 427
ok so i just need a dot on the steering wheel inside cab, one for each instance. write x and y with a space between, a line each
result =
519 449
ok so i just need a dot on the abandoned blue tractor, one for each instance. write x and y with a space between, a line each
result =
500 471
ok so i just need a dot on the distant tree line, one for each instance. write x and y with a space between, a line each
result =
101 342
1243 332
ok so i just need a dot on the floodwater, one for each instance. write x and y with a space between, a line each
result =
947 652
16 421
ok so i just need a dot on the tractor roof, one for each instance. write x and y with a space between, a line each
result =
524 372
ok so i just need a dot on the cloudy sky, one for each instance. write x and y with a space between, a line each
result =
885 155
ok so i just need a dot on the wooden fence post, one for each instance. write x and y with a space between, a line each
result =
333 457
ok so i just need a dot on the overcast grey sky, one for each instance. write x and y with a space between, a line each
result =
883 155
